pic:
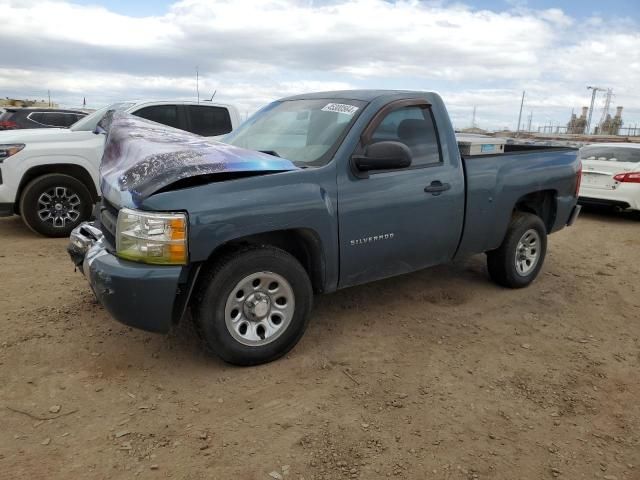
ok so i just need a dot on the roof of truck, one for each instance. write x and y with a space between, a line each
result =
363 95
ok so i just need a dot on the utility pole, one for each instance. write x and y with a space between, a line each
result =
198 83
473 118
49 95
593 99
529 123
520 115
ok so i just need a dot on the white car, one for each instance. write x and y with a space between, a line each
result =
611 175
49 176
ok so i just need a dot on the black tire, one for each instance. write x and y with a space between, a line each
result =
29 204
502 261
218 284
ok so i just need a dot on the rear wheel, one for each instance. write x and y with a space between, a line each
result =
254 305
517 262
54 204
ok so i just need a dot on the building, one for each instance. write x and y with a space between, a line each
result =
611 126
15 102
577 125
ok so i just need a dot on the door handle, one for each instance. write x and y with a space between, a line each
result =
437 187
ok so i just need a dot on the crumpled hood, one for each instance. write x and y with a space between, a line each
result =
142 157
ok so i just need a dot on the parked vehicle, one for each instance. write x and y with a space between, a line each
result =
313 193
19 118
50 176
611 175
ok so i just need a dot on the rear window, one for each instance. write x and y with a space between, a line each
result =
208 121
7 114
612 154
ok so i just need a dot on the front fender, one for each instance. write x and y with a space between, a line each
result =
219 213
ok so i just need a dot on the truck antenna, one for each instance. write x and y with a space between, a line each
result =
198 84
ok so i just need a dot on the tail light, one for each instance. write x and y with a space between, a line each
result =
631 177
8 124
578 178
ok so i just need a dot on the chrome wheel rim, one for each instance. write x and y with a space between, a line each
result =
59 206
527 252
259 308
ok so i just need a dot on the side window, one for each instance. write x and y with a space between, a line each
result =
165 114
414 127
208 121
68 119
37 117
53 119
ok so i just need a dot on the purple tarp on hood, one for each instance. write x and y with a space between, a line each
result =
142 157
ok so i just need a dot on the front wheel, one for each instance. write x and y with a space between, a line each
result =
54 204
253 305
517 262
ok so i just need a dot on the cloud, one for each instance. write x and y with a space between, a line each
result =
254 51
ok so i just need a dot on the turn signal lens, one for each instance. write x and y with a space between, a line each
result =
149 237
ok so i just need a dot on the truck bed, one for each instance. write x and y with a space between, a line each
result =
495 183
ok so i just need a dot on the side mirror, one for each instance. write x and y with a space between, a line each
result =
382 156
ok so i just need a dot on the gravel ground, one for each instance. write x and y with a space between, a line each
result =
438 374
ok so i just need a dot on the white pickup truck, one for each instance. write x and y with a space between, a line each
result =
49 176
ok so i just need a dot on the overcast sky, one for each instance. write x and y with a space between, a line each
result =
475 52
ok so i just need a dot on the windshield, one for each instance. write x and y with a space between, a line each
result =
306 132
88 123
612 154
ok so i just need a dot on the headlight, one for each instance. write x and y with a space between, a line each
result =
148 237
11 149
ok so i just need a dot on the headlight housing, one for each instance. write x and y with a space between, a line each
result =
150 237
10 149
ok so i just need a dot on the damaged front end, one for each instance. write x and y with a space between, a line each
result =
139 295
137 261
143 157
82 238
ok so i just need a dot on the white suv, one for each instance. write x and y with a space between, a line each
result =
49 176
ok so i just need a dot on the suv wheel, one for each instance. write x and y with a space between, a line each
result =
54 204
517 262
254 305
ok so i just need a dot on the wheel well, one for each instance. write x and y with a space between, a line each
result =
542 203
76 171
303 244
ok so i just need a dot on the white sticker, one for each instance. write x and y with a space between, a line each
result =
340 108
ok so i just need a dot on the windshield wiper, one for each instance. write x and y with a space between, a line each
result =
273 153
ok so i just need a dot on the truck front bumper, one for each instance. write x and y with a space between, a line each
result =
138 295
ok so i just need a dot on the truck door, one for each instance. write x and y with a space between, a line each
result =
401 220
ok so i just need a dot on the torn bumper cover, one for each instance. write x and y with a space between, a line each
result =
138 295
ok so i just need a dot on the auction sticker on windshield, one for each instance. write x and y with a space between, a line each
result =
340 108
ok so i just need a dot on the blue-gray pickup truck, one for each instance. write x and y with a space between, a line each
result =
313 193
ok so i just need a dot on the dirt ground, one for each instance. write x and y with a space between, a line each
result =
434 375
